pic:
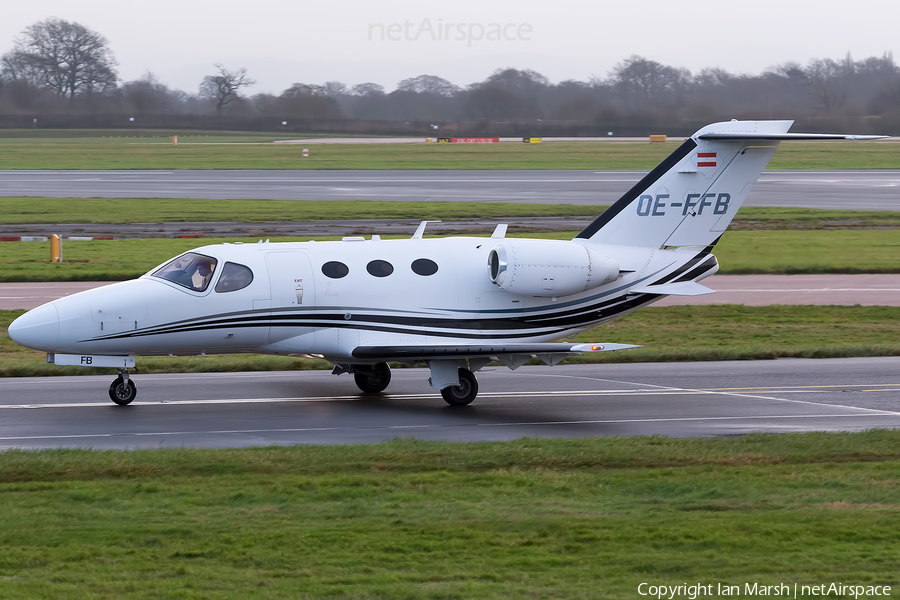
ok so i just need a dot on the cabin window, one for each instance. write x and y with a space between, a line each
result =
234 277
380 268
335 269
424 267
193 271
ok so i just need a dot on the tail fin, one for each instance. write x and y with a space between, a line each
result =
692 196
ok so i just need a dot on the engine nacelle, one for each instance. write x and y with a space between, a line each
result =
549 267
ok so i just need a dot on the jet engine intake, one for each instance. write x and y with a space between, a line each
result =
549 267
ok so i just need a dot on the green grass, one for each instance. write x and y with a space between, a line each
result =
137 135
409 519
793 252
766 251
29 210
738 332
717 332
227 153
24 210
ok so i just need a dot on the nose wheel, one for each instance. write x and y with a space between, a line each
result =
122 390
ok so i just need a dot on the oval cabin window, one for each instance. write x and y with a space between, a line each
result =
380 268
424 266
335 269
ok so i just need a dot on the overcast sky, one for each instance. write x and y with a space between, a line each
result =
355 41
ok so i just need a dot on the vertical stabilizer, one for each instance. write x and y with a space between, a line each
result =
692 196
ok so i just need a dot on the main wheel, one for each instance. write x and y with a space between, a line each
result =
374 379
465 392
122 393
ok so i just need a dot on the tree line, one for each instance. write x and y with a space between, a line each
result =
57 67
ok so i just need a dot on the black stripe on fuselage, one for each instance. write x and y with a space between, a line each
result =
264 317
518 326
705 266
620 204
682 269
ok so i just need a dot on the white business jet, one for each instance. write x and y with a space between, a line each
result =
455 304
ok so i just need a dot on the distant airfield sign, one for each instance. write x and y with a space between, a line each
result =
469 140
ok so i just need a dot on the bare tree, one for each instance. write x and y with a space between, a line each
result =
713 76
525 81
643 83
827 83
63 56
147 96
367 89
428 84
304 89
335 88
224 88
310 101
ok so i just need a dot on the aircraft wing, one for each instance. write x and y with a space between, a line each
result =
512 355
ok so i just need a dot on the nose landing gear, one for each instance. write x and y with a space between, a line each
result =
122 390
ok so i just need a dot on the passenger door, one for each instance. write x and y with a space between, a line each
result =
293 300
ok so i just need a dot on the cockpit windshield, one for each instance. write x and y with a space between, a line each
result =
193 271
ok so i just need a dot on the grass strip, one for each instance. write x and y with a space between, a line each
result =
28 210
531 518
739 252
153 153
162 136
671 333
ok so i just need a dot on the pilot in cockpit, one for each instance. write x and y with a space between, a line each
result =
204 270
193 271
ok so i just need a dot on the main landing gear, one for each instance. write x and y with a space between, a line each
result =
456 383
372 379
464 393
122 390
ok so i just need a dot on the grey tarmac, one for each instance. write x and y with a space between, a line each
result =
315 407
751 290
858 189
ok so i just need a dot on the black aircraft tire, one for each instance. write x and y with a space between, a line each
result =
464 393
120 393
373 380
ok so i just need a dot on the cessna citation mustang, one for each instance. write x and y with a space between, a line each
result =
455 304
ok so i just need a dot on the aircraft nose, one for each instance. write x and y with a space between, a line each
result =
37 329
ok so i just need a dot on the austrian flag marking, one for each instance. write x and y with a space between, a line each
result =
707 156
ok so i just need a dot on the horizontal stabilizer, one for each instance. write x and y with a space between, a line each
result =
426 352
684 288
731 137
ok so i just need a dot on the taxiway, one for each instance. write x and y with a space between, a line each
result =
860 189
315 407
